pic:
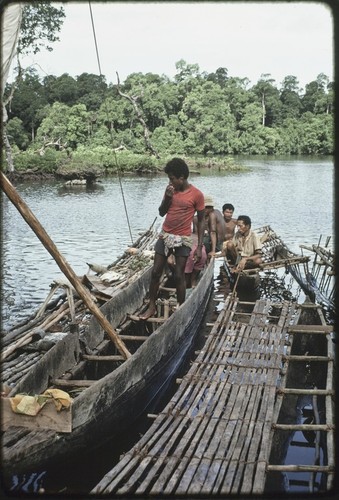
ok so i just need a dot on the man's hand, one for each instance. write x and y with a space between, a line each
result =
241 265
197 254
169 191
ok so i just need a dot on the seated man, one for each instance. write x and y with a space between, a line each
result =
244 249
214 228
230 222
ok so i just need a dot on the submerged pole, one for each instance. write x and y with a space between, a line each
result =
38 229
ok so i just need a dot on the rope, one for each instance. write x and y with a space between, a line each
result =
110 130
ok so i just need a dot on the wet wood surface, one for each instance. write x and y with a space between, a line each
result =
214 437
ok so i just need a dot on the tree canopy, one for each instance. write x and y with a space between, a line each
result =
196 113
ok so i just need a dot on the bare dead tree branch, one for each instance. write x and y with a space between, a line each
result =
56 144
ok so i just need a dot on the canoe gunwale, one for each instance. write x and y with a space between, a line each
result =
114 399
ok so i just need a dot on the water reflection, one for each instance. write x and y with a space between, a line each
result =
75 189
94 225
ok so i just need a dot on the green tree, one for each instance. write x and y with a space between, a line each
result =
186 71
64 125
17 134
187 78
208 122
268 97
54 126
250 140
91 90
315 99
316 134
237 96
61 89
115 113
290 134
41 22
29 99
78 126
290 98
220 77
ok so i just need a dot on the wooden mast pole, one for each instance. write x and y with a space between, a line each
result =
33 222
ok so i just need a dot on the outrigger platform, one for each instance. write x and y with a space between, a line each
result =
228 427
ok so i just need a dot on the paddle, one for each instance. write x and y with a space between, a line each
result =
33 222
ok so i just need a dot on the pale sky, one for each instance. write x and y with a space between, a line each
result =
247 38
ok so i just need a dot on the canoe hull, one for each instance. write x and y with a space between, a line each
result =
112 404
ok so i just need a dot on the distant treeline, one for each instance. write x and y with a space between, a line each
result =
194 114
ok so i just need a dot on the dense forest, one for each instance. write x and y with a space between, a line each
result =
58 119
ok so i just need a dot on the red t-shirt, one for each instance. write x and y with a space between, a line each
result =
182 209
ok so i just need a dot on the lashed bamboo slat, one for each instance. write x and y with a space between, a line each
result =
214 436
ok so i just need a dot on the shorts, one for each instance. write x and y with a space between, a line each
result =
183 250
208 244
191 264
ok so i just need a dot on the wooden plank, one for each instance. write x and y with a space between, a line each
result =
310 329
96 357
124 469
301 468
190 439
305 427
48 418
133 317
221 419
319 392
137 338
217 392
60 382
198 428
163 444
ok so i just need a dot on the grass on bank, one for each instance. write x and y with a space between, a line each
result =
101 161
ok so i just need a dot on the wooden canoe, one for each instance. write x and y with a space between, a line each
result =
25 343
110 393
275 255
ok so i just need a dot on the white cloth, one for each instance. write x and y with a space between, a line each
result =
10 33
174 241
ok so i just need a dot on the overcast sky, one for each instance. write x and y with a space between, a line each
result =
249 39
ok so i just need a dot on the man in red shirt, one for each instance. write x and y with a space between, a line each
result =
180 202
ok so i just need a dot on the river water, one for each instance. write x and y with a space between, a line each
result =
295 196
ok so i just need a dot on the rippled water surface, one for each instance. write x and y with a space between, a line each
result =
294 196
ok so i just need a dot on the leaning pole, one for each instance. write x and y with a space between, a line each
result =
40 232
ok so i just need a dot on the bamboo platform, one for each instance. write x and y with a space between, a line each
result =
214 437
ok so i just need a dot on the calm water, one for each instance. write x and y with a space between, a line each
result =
294 196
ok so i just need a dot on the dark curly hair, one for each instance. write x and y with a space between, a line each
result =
246 219
177 167
227 206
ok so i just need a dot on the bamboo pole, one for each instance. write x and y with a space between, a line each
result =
33 222
300 468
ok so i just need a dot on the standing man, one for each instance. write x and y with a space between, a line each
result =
214 228
230 223
180 202
244 248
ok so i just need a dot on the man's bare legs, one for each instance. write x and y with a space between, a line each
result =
158 267
180 280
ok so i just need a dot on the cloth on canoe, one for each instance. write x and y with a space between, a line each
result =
175 240
111 276
31 405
